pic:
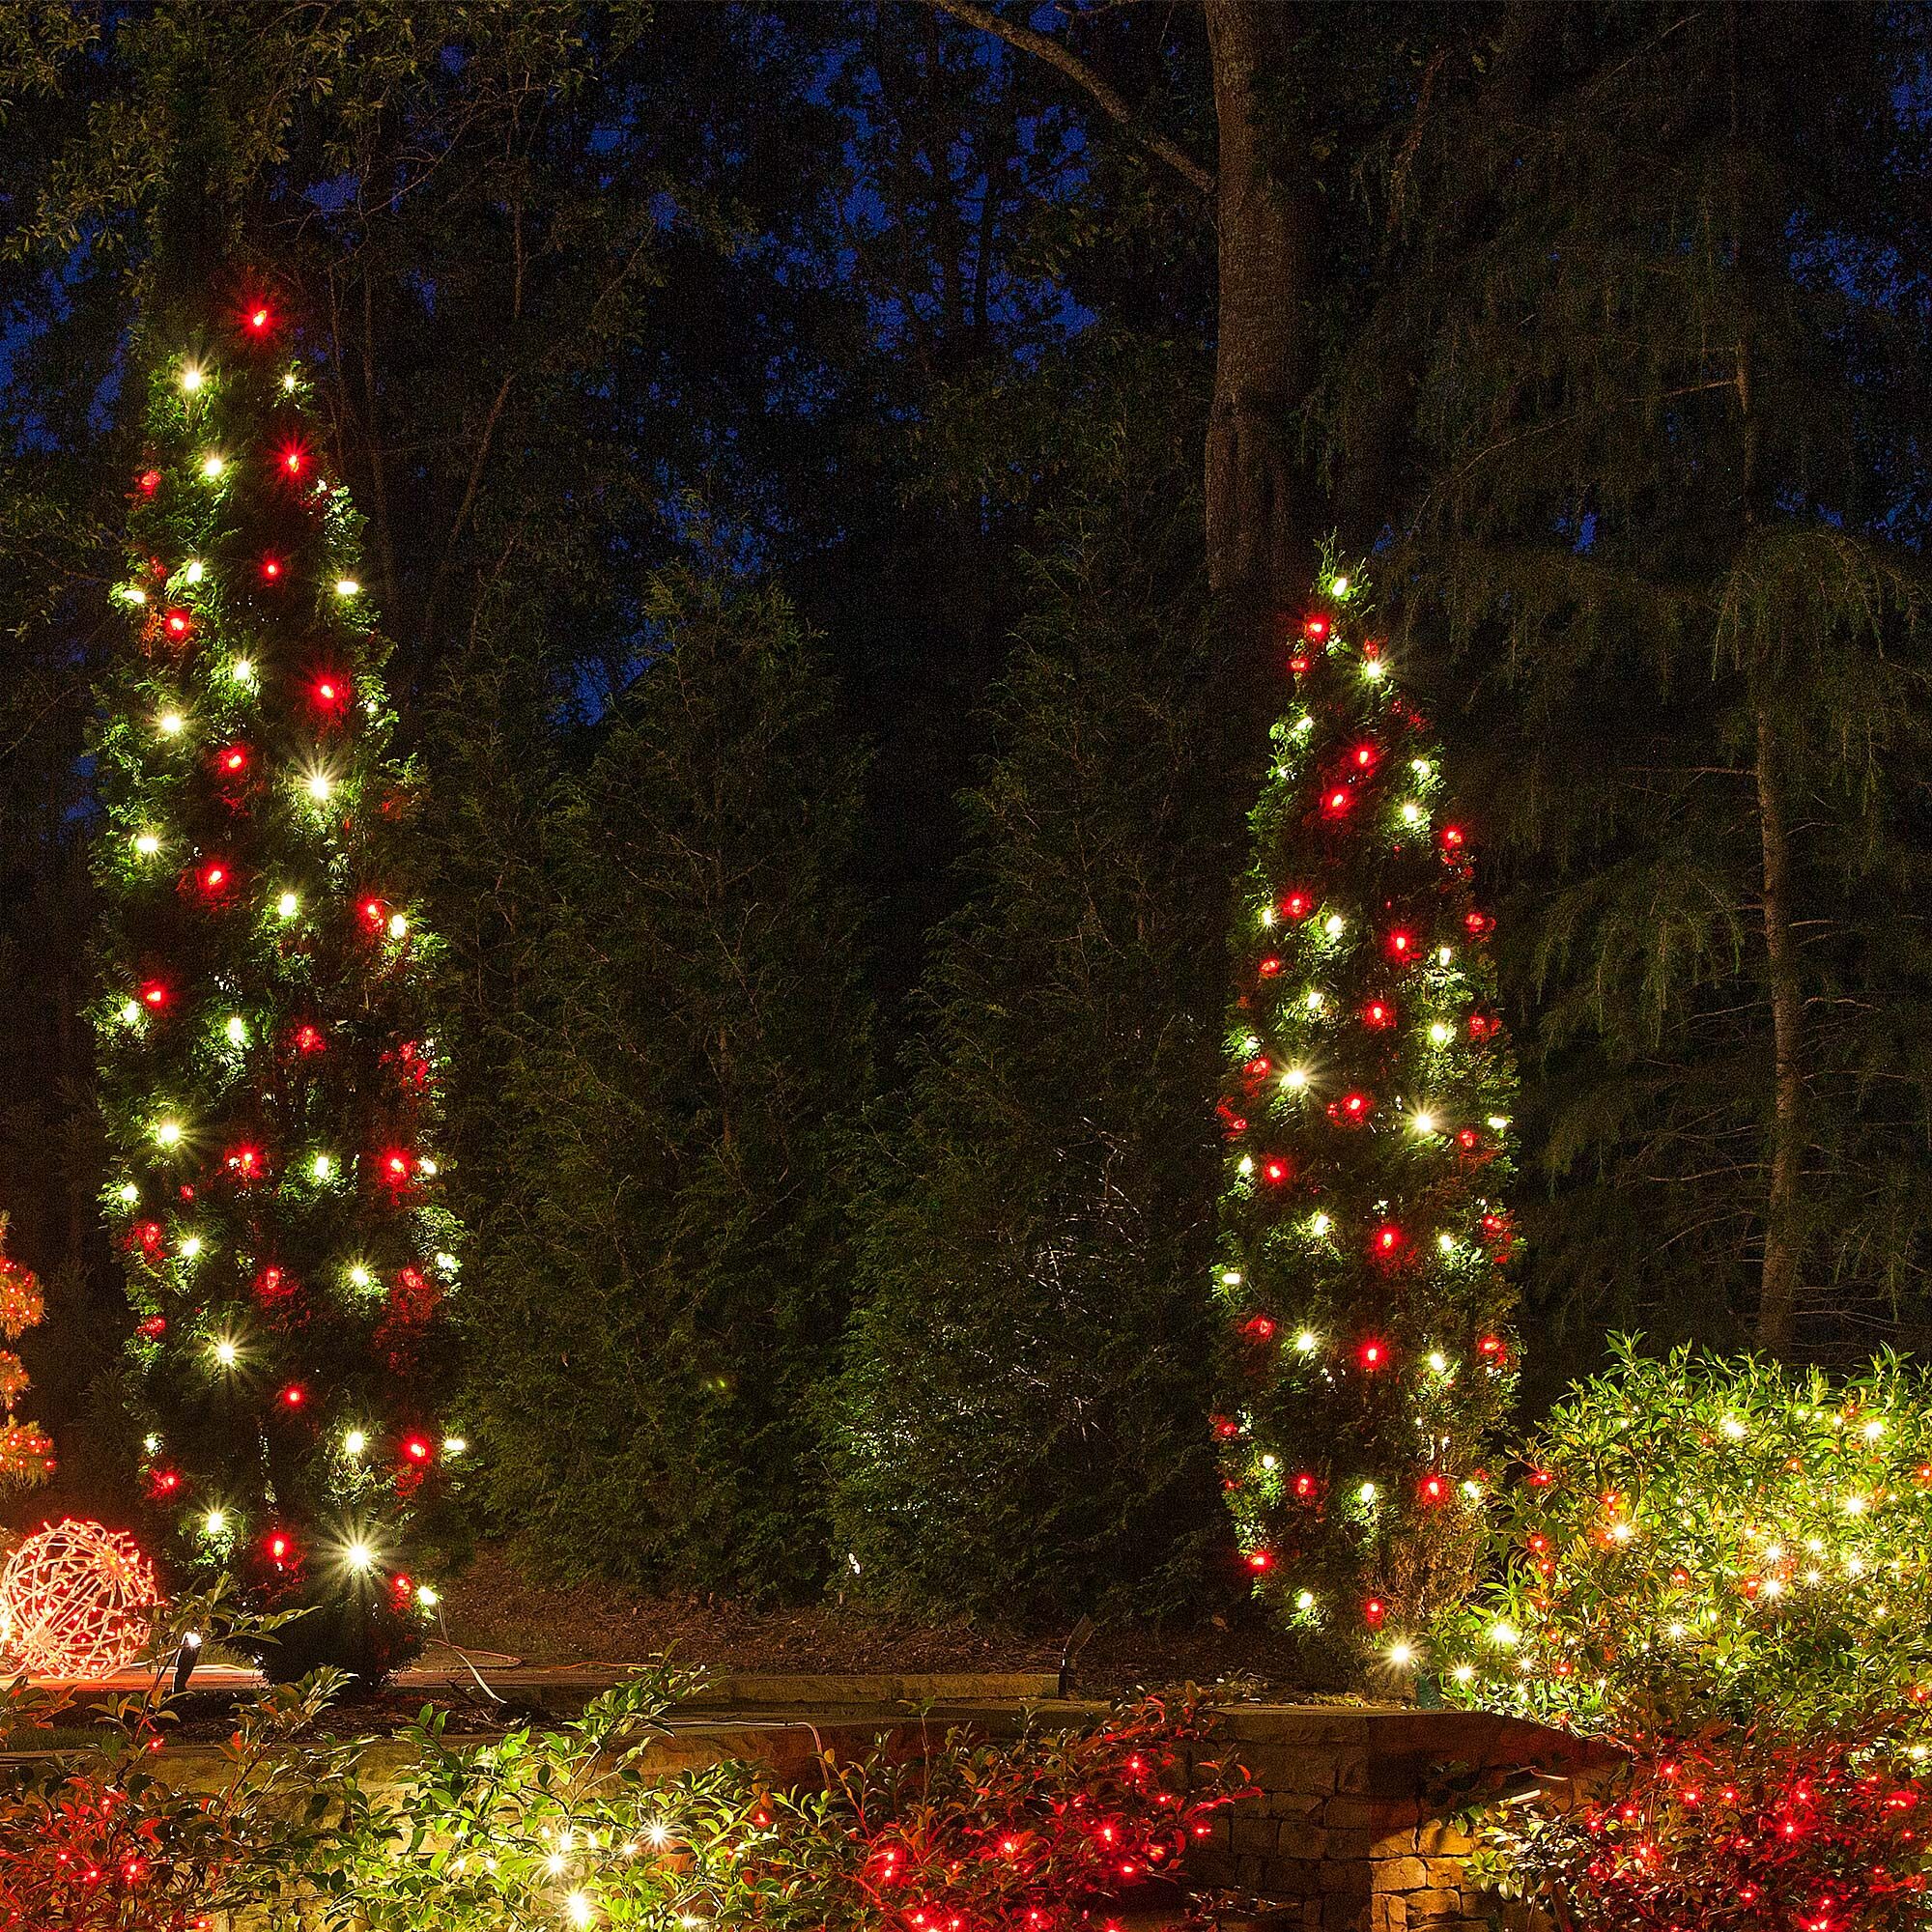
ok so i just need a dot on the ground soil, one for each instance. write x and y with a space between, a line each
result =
494 1605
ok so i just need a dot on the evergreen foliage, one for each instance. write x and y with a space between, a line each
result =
1019 1429
1364 1231
665 1256
269 1051
1655 290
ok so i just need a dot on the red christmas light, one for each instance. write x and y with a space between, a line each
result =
1388 1242
148 482
397 1166
1276 1171
1226 1428
1259 1328
1401 944
1352 1109
294 458
1453 837
215 878
279 1546
1268 967
153 995
1315 627
1468 1139
1260 1560
1477 924
163 1484
245 1163
1306 1487
294 1395
259 319
272 568
1372 1354
330 692
274 1287
232 759
1363 757
152 1328
309 1038
1373 1611
1379 1013
417 1449
1432 1489
1482 1025
1297 904
179 625
1336 801
374 914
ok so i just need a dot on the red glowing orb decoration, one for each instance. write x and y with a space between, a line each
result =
1297 905
76 1601
180 626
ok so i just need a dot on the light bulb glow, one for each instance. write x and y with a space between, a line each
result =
212 466
168 1133
346 586
191 379
288 905
322 1167
172 723
354 1443
147 844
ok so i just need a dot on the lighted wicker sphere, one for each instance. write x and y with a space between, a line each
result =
76 1601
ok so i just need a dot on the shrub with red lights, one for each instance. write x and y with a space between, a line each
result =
1734 1834
1361 1263
1026 1834
1726 1570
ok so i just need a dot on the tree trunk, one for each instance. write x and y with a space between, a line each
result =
1777 1294
1261 510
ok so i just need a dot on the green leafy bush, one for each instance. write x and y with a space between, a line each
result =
1723 1569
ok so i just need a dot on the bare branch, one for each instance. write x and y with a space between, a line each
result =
1111 101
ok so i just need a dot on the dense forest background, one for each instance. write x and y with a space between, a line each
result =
810 461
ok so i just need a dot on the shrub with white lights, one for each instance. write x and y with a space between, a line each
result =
1721 1568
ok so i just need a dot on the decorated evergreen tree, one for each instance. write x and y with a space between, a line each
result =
268 1057
26 1452
1364 1242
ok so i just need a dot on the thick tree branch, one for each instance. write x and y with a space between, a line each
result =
1111 102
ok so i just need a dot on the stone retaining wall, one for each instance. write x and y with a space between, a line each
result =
1350 1831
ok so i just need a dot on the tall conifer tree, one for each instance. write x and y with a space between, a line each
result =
1364 1237
1655 297
268 1053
